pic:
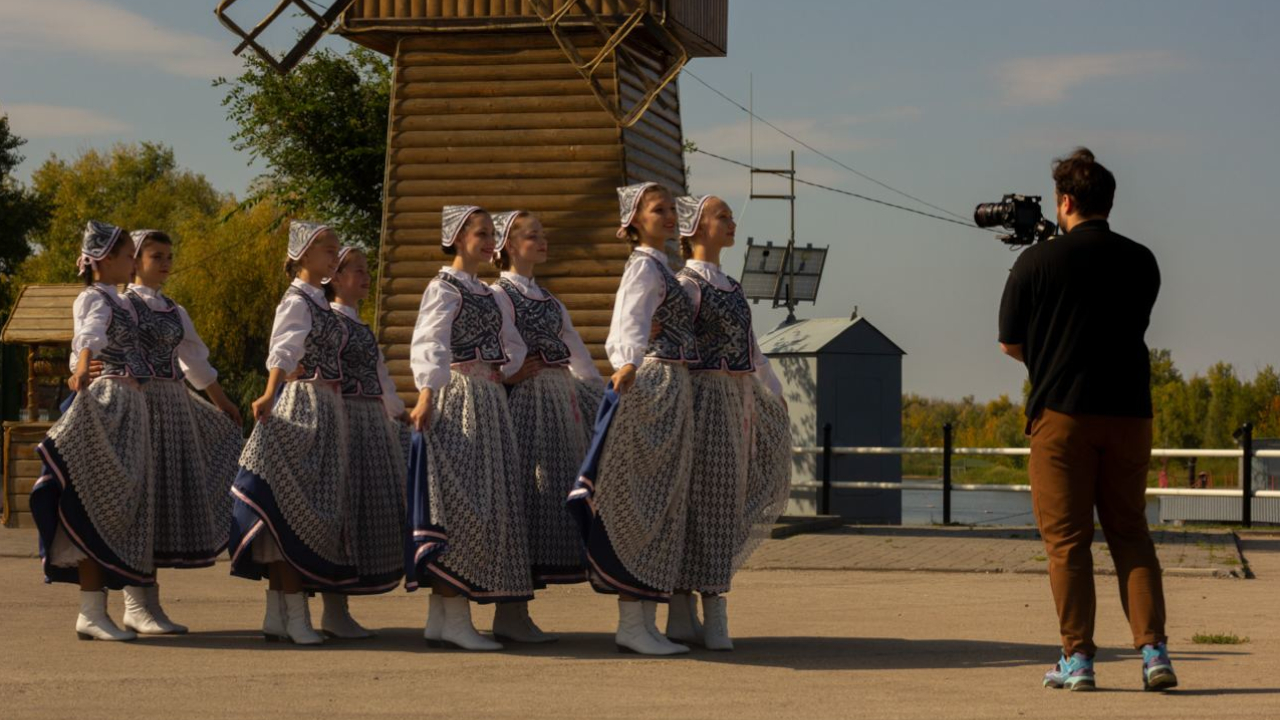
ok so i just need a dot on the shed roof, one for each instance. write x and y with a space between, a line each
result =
837 336
42 315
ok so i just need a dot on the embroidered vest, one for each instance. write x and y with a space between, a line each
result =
359 360
159 333
674 317
722 327
122 357
322 349
477 328
540 323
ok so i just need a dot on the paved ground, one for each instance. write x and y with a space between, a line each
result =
812 643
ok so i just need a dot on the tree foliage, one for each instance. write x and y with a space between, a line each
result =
23 211
321 131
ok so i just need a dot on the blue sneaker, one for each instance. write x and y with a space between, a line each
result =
1075 673
1157 669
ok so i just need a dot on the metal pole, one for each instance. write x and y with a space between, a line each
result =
826 470
1246 475
946 474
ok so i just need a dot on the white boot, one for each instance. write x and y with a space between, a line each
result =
717 631
634 635
682 619
297 620
136 615
511 623
458 631
157 612
336 622
434 630
273 622
94 623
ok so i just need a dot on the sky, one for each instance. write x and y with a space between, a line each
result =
954 103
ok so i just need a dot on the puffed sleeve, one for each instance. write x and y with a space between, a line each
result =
429 353
193 355
580 362
91 314
512 341
641 291
693 290
390 399
289 333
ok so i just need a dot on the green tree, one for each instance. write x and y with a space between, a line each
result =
22 212
321 130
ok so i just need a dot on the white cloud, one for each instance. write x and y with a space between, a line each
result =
1047 80
103 31
31 120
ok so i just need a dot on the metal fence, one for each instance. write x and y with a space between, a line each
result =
1245 452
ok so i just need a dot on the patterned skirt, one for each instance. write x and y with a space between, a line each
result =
197 452
375 495
94 498
635 524
466 497
552 429
740 479
290 496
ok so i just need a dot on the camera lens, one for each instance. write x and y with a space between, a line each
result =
995 214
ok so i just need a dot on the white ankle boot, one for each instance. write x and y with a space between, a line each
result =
94 623
634 634
157 612
458 630
137 617
511 623
682 619
434 630
336 622
297 620
717 630
273 623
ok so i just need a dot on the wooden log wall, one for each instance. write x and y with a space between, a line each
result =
449 9
21 469
504 121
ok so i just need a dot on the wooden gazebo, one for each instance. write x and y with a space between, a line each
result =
40 320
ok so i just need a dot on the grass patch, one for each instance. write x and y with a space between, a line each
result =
1039 558
1218 639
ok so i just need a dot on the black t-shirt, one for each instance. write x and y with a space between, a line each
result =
1079 305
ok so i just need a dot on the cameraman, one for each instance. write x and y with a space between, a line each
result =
1075 310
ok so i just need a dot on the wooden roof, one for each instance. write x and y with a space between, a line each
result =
42 315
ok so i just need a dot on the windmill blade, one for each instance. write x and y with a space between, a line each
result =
320 24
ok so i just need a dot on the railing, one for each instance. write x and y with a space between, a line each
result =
1244 436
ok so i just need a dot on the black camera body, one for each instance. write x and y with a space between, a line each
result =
1018 213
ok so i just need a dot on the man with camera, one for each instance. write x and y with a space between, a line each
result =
1075 311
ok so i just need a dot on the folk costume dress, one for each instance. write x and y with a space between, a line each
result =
466 498
195 446
95 495
290 496
740 477
632 512
377 459
553 413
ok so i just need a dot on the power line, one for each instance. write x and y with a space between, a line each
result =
840 191
815 150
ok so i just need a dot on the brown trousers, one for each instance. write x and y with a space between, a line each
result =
1079 462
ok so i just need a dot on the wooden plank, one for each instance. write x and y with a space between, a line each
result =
505 121
471 155
557 250
29 469
485 56
494 139
467 72
590 267
481 105
512 170
512 88
21 520
535 203
507 187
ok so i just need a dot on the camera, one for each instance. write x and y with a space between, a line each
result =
1019 213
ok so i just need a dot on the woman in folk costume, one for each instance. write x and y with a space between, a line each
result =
553 400
468 537
290 496
93 501
376 421
633 513
195 446
742 470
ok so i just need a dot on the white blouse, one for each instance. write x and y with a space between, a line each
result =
90 316
580 363
714 275
641 291
430 353
390 400
292 323
193 354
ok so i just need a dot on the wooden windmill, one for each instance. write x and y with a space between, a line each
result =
543 105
